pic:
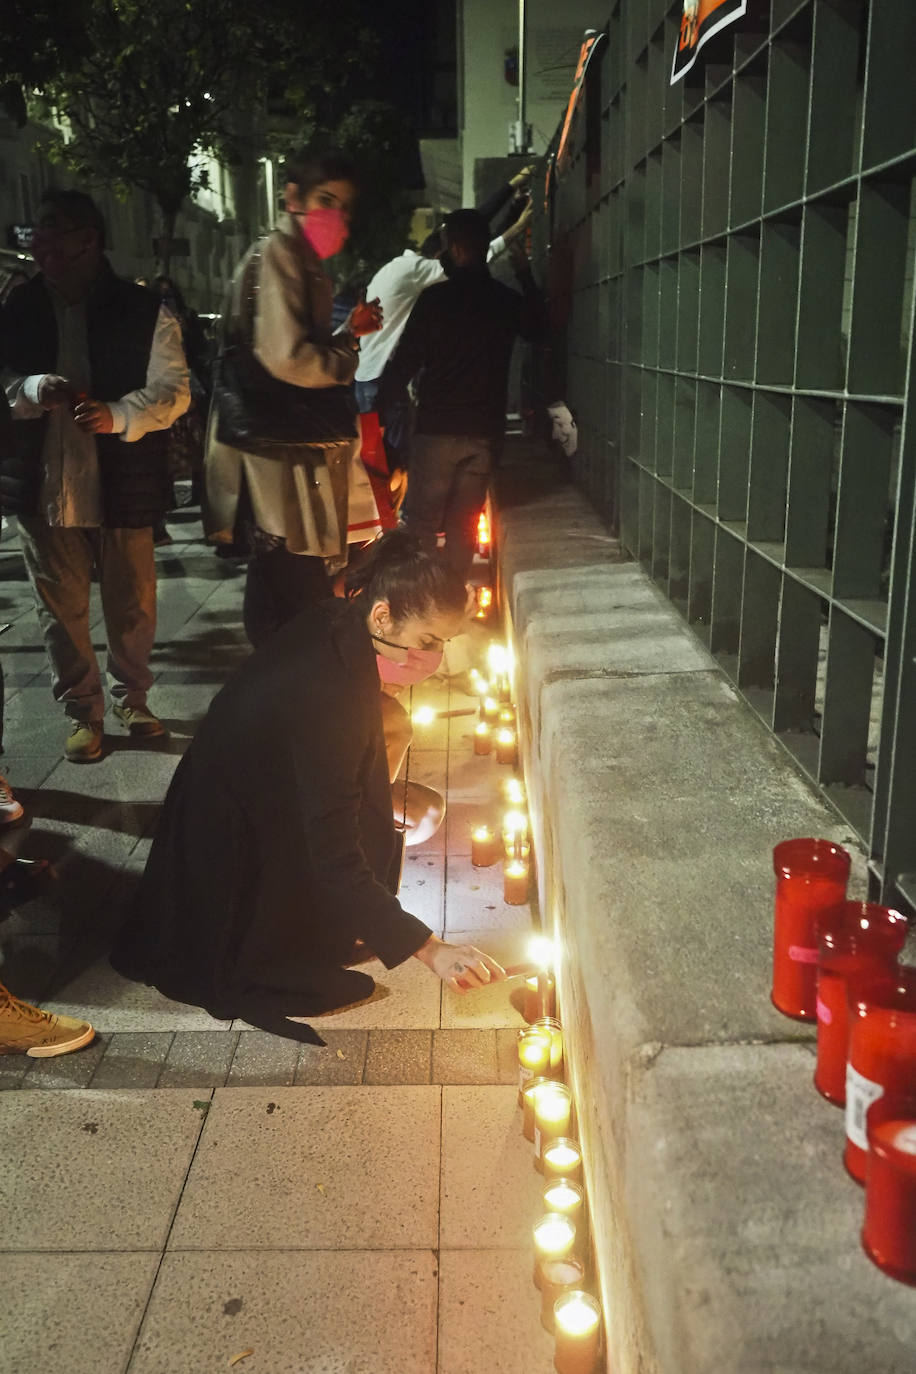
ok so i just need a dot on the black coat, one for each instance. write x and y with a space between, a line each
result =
120 324
275 845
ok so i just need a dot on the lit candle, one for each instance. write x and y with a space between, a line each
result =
506 747
505 690
529 1096
515 882
515 835
541 950
506 715
533 1057
423 715
552 1112
483 534
554 1278
562 1195
484 601
554 1237
484 847
561 1158
514 791
497 660
577 1320
482 740
889 1232
540 995
552 1026
489 710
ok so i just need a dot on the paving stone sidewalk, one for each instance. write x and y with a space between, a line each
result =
186 1189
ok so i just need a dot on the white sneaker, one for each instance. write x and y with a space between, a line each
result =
10 809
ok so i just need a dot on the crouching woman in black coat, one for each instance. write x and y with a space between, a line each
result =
274 861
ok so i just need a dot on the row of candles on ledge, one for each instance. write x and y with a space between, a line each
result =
560 1234
513 845
836 962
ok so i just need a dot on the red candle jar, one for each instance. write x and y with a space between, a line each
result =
811 877
855 938
889 1233
882 1053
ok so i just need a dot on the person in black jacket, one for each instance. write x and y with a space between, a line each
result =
256 900
456 346
95 373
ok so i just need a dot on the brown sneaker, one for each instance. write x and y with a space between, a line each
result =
25 1029
84 743
139 721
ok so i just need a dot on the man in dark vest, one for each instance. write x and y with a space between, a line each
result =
95 373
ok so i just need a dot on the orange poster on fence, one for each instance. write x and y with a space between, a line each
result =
700 20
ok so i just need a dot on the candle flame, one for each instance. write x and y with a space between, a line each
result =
562 1195
497 659
541 951
516 868
423 715
554 1233
515 792
506 737
482 832
577 1314
562 1154
482 728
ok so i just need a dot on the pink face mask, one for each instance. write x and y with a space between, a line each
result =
326 230
421 664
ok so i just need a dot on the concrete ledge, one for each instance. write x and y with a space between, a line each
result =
727 1229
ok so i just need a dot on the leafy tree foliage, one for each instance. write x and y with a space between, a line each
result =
145 86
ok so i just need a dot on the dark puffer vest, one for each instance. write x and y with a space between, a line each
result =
120 323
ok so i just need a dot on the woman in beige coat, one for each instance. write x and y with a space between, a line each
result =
292 505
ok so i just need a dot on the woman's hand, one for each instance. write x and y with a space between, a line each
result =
462 967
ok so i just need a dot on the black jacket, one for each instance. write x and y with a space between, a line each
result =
120 323
263 873
458 342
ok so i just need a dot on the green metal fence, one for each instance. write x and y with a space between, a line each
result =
732 268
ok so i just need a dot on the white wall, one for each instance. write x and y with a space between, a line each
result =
487 103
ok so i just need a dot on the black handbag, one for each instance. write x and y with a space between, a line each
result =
260 414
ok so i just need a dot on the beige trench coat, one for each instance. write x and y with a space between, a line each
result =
302 499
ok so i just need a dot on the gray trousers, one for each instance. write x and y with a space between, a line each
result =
60 562
449 474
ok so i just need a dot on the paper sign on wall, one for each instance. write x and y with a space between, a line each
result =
700 20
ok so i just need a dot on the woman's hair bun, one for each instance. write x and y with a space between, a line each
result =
414 581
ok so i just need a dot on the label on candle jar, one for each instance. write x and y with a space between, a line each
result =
861 1092
824 1013
537 1142
801 954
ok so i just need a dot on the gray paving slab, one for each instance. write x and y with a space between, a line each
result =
411 1001
465 1056
72 1312
489 1314
490 1187
422 890
198 1059
74 1070
262 1058
398 1056
102 1171
340 1062
314 1168
133 1059
474 899
752 1260
298 1312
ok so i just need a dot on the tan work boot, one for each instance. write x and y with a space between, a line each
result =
84 743
139 720
25 1029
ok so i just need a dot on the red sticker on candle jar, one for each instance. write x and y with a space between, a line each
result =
824 1013
801 954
